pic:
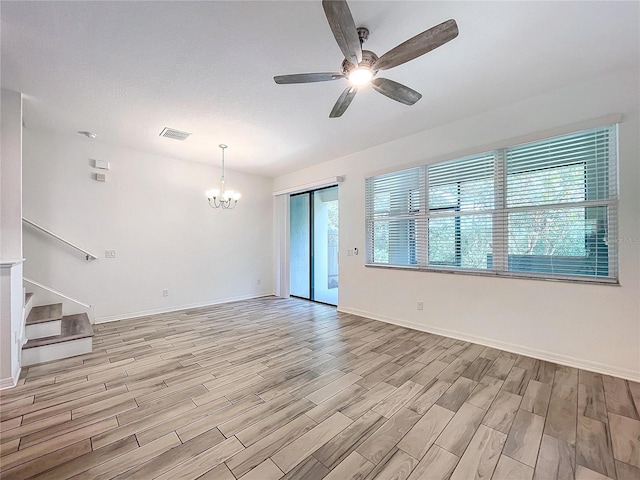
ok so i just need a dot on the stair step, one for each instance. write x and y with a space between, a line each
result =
45 313
27 297
73 327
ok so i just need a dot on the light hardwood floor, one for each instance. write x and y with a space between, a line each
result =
274 388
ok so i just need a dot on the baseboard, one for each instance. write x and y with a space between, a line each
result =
146 313
11 381
583 364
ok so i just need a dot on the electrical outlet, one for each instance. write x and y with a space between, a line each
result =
259 281
420 305
110 254
350 252
165 292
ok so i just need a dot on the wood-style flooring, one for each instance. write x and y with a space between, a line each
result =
276 388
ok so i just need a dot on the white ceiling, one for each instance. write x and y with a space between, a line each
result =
125 70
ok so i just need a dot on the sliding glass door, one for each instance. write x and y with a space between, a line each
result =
313 256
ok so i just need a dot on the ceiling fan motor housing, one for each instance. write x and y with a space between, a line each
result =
368 61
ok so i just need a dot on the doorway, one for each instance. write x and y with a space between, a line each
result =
313 256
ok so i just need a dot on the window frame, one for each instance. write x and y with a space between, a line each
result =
500 260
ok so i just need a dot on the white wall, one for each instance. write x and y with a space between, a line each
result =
11 295
591 326
153 211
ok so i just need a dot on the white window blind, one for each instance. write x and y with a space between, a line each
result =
544 209
394 209
561 205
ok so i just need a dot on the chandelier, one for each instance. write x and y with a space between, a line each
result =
221 198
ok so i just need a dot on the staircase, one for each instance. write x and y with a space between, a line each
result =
52 336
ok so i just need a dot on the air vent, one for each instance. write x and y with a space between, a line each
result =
175 134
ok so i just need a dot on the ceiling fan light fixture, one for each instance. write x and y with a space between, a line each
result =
360 76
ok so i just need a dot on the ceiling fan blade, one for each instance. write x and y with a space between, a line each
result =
418 45
343 102
307 77
344 29
396 91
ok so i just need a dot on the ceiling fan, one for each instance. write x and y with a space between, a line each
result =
360 66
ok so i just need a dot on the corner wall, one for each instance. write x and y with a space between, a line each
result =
11 295
590 326
153 212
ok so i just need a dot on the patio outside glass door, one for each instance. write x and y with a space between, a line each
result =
313 256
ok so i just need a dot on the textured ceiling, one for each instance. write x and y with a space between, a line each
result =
125 70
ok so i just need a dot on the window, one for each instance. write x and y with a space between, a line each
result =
544 209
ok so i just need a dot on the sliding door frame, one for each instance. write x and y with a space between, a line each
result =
311 242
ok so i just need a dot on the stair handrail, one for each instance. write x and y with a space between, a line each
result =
88 255
52 290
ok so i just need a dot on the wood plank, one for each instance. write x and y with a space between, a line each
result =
390 405
429 395
556 460
626 471
510 469
250 435
565 386
459 432
501 366
536 398
267 470
477 369
429 373
119 432
456 368
120 464
169 459
214 419
517 381
308 469
437 464
502 411
398 467
221 472
339 447
147 435
354 467
378 445
48 461
367 400
485 392
252 456
457 394
524 437
90 460
254 415
562 420
38 450
205 461
625 436
290 456
336 403
333 388
482 455
422 435
619 398
583 473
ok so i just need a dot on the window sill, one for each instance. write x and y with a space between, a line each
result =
480 273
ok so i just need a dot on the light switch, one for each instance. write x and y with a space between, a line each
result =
101 164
